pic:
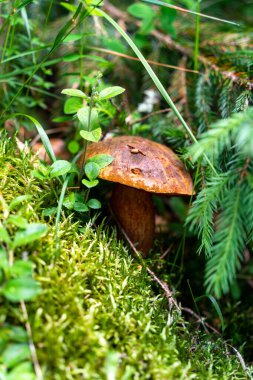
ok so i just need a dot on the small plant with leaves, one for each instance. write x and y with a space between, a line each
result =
86 109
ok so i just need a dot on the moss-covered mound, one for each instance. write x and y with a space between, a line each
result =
98 316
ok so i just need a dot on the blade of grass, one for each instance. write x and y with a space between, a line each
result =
155 79
13 12
60 203
28 29
196 306
59 208
180 9
44 138
31 51
29 69
197 32
216 306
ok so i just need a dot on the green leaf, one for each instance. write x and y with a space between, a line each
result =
16 334
62 119
80 207
91 170
92 136
216 306
110 92
59 167
18 221
90 184
140 10
49 211
102 160
73 146
144 12
74 92
94 204
72 38
22 268
95 2
32 232
23 371
78 203
42 172
4 263
69 7
18 200
4 236
72 105
14 354
69 201
21 289
83 116
166 19
114 44
71 58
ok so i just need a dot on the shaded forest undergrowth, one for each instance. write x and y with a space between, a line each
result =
75 301
100 313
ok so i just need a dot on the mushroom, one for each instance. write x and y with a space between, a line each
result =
140 167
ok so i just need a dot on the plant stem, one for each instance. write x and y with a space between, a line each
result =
37 369
85 141
89 123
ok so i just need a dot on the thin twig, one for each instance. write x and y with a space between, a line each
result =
200 319
165 253
149 115
37 369
168 293
112 52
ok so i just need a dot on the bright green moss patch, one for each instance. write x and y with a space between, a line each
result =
99 316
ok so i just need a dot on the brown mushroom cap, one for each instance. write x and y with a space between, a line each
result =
143 164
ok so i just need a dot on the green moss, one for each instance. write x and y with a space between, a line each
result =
98 316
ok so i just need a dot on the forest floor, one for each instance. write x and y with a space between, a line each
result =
99 315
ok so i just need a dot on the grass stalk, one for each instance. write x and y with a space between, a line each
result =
197 33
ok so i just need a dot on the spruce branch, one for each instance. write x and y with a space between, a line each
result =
201 215
229 243
237 129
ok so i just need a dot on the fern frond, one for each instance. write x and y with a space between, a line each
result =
229 243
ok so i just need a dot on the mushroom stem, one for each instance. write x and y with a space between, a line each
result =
135 213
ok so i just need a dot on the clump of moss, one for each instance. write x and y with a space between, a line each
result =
98 316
